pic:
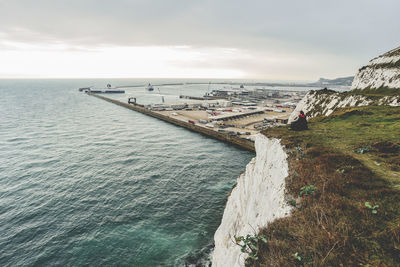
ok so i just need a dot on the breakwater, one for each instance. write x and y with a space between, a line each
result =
237 141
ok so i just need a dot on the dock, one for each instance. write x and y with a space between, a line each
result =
225 137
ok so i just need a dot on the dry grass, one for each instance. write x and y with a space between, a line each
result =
334 227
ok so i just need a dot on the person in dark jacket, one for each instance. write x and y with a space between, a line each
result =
300 124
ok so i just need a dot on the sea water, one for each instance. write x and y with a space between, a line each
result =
87 182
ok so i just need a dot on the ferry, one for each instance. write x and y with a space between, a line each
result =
149 87
108 90
84 89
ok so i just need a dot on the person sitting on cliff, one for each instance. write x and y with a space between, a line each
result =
300 124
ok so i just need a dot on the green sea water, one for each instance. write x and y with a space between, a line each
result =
88 183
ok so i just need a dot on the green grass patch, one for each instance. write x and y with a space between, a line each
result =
348 130
376 92
354 217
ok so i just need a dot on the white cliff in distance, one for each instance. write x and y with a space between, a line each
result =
380 72
383 71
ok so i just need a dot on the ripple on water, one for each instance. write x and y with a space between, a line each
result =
85 182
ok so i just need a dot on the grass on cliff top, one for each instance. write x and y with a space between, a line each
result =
375 92
334 227
370 93
367 92
350 129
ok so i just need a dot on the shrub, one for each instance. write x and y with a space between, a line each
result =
250 245
307 190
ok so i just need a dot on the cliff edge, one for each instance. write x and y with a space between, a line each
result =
325 102
342 177
257 199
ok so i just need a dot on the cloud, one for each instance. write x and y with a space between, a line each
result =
58 61
270 35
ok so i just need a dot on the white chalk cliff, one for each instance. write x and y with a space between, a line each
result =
320 103
383 71
257 199
259 196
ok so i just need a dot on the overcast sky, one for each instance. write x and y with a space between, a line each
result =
276 40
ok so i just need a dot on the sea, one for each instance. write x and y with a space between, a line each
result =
84 182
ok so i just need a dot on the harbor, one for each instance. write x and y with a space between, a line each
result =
225 137
233 115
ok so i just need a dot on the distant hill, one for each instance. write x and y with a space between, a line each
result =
343 81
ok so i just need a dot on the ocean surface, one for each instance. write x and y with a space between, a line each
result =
84 182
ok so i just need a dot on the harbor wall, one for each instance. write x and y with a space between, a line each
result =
240 142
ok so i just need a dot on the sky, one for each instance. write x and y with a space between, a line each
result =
253 39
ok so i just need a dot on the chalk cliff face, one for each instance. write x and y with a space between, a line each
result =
257 199
317 103
381 71
323 103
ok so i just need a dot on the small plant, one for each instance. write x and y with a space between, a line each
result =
341 171
296 256
292 203
299 151
372 208
250 245
363 149
307 190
